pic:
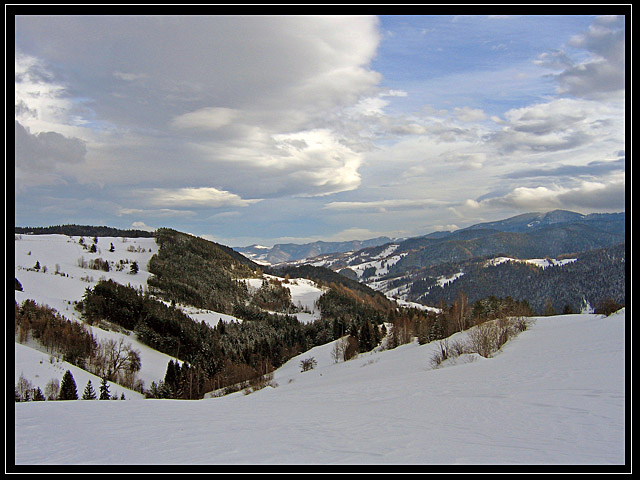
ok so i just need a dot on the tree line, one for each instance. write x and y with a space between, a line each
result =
73 230
67 390
115 360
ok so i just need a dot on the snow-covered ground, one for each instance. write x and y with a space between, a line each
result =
538 262
62 279
554 395
63 253
304 293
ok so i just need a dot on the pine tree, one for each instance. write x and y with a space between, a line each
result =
104 390
68 390
172 379
134 268
38 396
89 392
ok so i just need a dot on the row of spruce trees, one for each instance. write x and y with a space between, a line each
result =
66 390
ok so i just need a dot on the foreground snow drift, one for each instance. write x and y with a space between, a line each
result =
554 395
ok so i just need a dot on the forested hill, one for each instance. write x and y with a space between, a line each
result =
195 271
569 286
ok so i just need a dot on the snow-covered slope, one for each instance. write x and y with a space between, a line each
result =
62 278
60 290
554 395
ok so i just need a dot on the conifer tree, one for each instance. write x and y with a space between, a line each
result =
68 390
38 396
89 392
104 390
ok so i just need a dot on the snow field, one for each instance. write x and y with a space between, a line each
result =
60 292
554 395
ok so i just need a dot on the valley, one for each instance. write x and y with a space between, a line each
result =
206 323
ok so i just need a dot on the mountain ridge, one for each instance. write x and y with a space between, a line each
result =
404 266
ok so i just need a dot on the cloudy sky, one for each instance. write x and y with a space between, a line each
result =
271 129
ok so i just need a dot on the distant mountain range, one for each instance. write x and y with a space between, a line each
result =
410 268
291 252
550 233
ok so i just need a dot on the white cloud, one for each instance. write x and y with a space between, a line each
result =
194 197
304 163
129 77
42 104
209 118
155 212
605 195
142 226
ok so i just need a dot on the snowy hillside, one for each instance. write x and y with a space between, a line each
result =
63 275
554 395
60 290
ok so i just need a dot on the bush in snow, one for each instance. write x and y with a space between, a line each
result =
607 306
308 364
488 337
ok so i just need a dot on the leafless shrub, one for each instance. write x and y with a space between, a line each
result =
441 354
345 349
482 339
24 388
52 389
308 364
487 338
258 383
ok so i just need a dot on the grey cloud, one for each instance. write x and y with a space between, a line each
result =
558 125
180 64
226 93
22 109
603 75
586 196
612 197
46 150
595 168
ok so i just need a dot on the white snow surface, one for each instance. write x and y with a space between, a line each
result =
304 293
60 292
554 395
538 262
